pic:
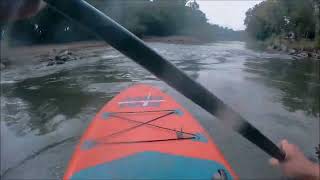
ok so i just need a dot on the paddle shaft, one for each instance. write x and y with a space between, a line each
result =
131 46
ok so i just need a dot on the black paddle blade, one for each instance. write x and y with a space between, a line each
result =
130 45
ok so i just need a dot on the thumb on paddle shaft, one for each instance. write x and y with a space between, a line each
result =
295 165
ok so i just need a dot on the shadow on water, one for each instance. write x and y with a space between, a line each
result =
55 98
50 100
298 81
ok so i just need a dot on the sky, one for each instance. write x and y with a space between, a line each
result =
227 13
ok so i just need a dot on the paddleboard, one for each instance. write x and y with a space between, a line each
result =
143 133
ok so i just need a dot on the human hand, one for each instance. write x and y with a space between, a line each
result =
11 10
296 165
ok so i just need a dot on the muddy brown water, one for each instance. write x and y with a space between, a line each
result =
44 109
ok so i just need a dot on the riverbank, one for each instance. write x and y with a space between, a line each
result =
302 49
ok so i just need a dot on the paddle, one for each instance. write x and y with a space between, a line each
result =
131 46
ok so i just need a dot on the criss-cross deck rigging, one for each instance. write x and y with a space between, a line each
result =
102 140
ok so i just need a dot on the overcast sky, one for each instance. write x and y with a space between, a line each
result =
227 13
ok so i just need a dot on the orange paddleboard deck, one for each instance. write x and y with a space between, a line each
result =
143 133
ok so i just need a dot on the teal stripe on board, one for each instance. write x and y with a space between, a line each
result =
153 165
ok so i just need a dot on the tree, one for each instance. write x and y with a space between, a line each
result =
265 19
281 17
317 19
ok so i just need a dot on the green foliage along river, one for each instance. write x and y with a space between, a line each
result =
296 20
142 17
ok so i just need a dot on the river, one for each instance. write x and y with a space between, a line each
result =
44 109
